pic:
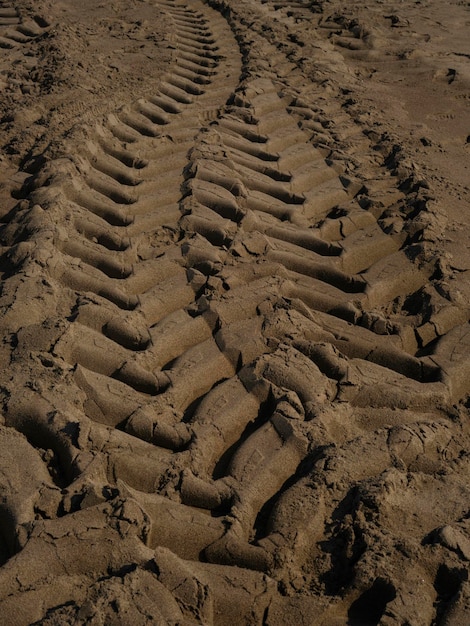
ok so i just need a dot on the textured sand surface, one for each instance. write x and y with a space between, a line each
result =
234 312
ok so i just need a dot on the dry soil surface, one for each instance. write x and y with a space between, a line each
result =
234 312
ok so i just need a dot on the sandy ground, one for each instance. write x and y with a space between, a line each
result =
234 312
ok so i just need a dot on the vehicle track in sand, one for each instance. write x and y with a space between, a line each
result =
232 362
16 35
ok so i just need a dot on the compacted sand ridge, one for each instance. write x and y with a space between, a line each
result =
234 312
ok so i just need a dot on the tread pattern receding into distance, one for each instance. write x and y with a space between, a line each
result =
226 299
16 34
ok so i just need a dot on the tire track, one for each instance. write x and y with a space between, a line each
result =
227 303
279 442
391 596
236 546
20 42
17 34
104 256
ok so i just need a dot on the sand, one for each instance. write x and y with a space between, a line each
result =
234 312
